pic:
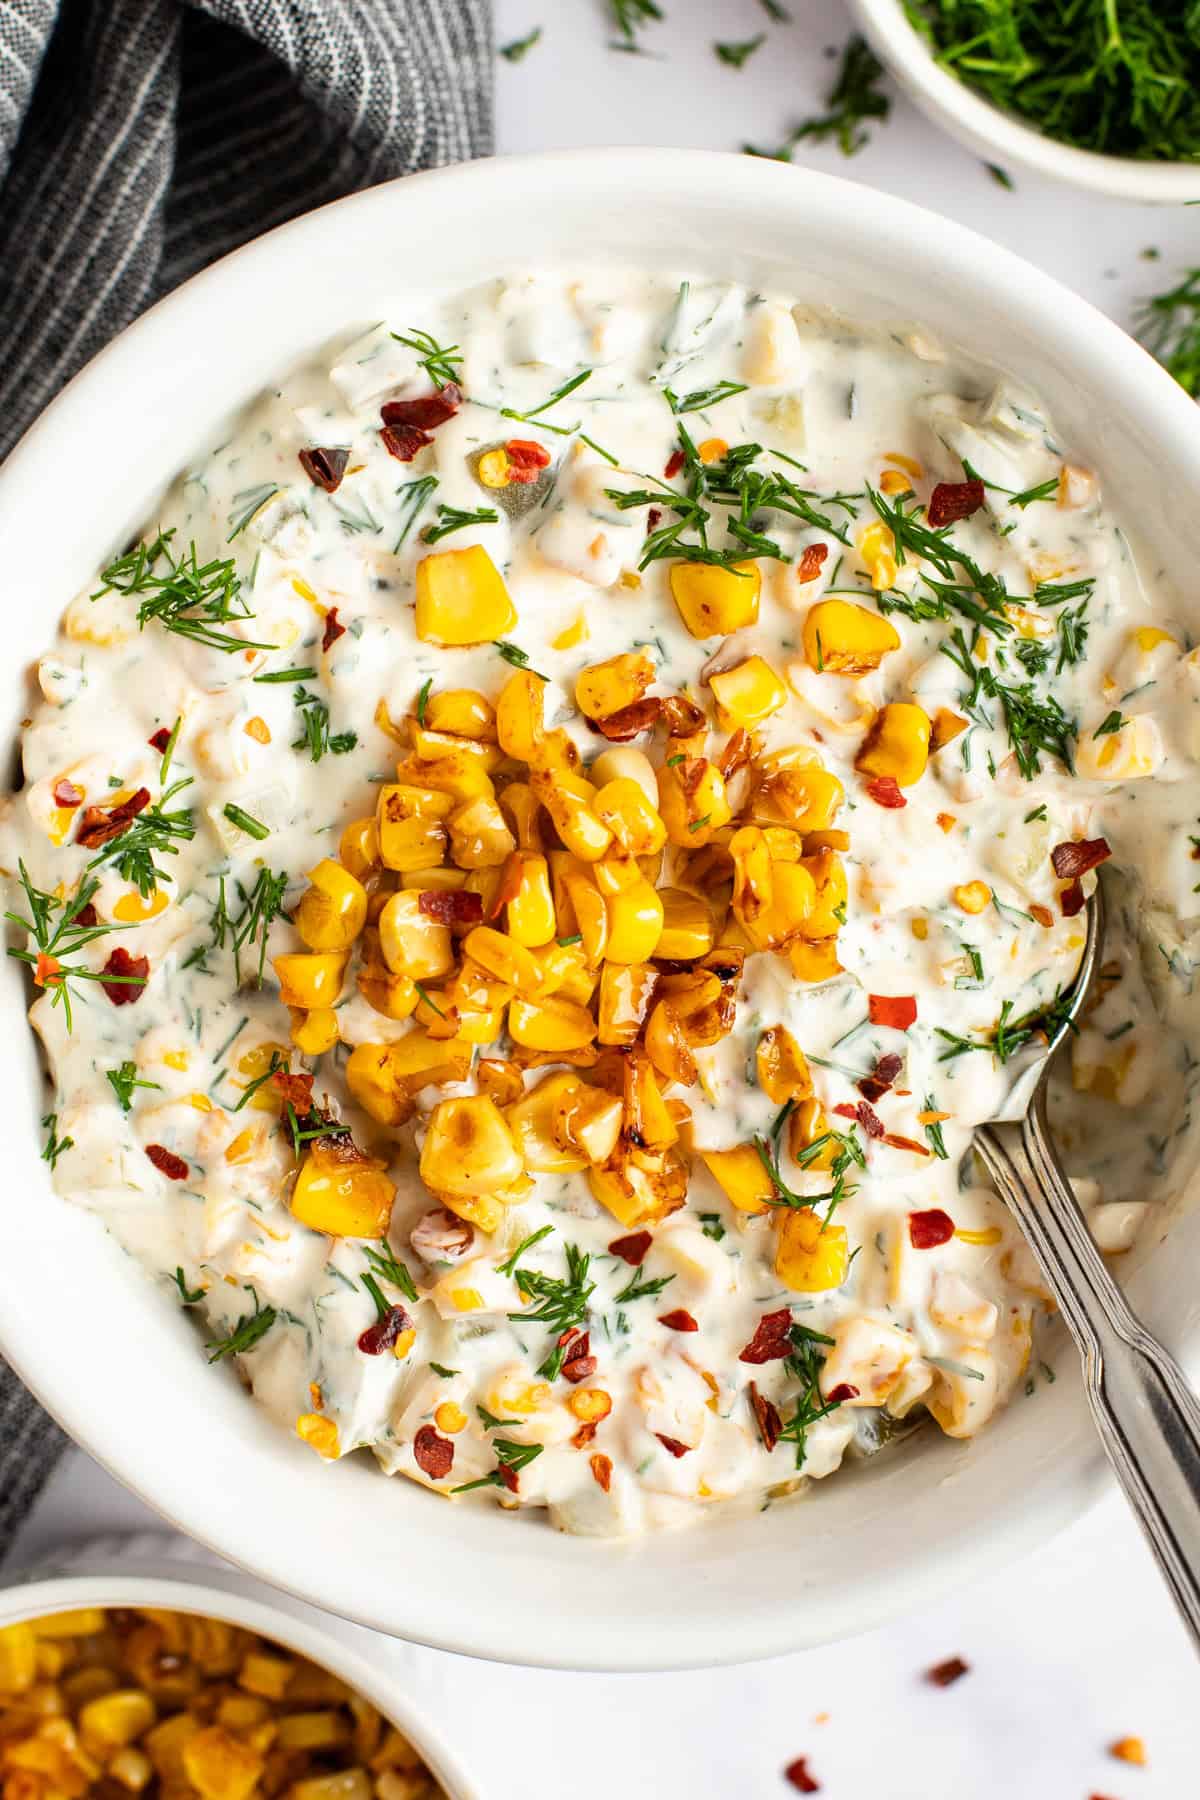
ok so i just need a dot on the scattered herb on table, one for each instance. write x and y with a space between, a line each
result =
737 55
629 17
519 48
854 98
1169 327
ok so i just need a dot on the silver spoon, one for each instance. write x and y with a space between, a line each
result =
1146 1413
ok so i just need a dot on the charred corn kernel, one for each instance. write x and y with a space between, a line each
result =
810 1256
116 1719
341 1198
587 908
588 1120
500 1080
410 843
803 796
688 929
897 744
450 1418
635 921
462 599
493 469
219 1765
625 994
893 482
608 687
133 908
590 1404
411 942
310 982
742 1176
485 1211
18 1659
314 1033
520 715
828 909
946 727
783 1072
568 800
468 1148
841 638
523 811
826 840
815 961
333 908
310 1731
713 601
531 1121
394 996
479 834
358 847
384 1077
634 822
637 1196
530 912
692 801
806 1125
552 1024
503 959
462 712
749 693
971 896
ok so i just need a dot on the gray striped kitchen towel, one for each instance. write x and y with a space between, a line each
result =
139 139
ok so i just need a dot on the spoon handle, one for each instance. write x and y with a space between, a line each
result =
1146 1413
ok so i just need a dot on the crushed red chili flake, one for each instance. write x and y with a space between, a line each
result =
899 1142
1043 916
863 1114
674 464
508 1478
797 1773
766 1415
295 1089
772 1338
678 1320
1078 856
167 1163
46 970
404 441
334 629
601 1467
1072 900
98 827
382 1335
87 915
67 794
160 740
951 500
579 1363
926 1230
653 520
133 970
884 792
325 465
875 1085
451 906
673 1445
584 1435
432 1454
812 562
630 721
526 460
631 1249
898 1011
427 411
945 1674
844 1391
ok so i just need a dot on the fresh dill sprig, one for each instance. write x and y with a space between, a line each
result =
804 1365
152 831
413 495
387 1266
1036 723
849 1152
737 55
629 16
637 1289
124 1080
59 939
54 1146
510 1457
1010 1035
314 729
260 907
560 393
854 98
1169 326
237 815
248 1331
508 1266
562 1302
702 398
441 362
187 597
246 504
453 518
933 1132
187 1296
519 48
515 657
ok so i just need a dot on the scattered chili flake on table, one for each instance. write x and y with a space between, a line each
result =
945 1674
797 1773
1129 1750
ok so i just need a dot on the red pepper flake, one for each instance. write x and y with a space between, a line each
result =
87 915
579 1363
67 794
926 1230
526 460
812 562
132 969
945 1674
674 464
898 1142
295 1089
951 500
584 1435
404 441
1043 915
450 906
1072 900
841 1393
601 1467
432 1454
98 827
160 740
772 1338
630 721
673 1445
382 1335
876 1085
767 1417
46 970
427 411
863 1114
334 629
508 1477
1078 856
653 520
167 1163
884 792
324 465
797 1773
631 1249
679 1320
898 1011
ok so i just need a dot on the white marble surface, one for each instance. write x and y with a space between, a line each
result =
1076 1646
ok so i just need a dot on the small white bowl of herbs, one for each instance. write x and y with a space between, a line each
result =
1086 91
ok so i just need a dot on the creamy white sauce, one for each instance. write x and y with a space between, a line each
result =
848 407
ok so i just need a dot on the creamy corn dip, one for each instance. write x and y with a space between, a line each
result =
535 864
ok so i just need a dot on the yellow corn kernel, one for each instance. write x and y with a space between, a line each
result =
608 687
221 1766
479 835
523 811
333 908
492 468
712 449
893 482
450 1418
520 715
828 910
636 1196
841 638
200 1103
412 943
625 994
468 1148
635 824
311 1730
783 1072
945 728
530 912
552 1024
258 729
462 599
635 921
688 929
803 796
590 1404
531 1122
806 1125
244 1147
500 1080
749 693
469 752
115 1719
310 982
18 1659
383 1078
810 1256
463 712
341 1198
504 960
897 744
485 1211
575 634
877 547
692 801
394 996
358 847
984 1239
314 1033
1149 637
713 601
815 961
132 1768
909 464
133 908
1128 754
580 908
409 839
568 799
971 896
740 1173
589 1120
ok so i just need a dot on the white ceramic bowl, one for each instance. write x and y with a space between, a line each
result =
150 1572
108 1353
1001 137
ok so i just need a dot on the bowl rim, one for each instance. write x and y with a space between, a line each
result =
714 184
985 127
